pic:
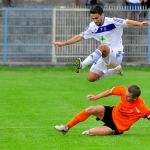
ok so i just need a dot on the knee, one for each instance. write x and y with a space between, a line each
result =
91 109
93 77
104 49
90 79
96 110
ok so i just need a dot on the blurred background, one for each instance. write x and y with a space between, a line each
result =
29 27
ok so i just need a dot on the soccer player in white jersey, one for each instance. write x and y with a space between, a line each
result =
106 59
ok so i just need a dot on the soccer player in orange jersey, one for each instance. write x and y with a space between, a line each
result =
117 119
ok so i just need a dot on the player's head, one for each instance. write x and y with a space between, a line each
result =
97 15
96 10
133 93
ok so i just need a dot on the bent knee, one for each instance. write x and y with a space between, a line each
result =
93 77
104 49
95 109
90 109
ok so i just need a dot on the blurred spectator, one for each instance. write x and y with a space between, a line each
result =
10 3
91 3
147 3
1 3
77 2
134 5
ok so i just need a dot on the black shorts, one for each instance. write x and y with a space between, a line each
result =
108 120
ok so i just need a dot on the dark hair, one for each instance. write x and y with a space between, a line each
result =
96 10
134 90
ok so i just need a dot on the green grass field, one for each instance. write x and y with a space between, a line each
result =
33 100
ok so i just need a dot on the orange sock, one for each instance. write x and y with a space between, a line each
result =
83 115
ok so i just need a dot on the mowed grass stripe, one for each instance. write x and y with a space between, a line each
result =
33 100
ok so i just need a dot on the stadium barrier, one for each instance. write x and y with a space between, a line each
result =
27 34
149 37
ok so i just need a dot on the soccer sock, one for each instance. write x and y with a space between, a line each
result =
91 58
83 115
109 73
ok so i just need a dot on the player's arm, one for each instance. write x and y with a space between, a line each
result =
100 95
70 41
137 23
148 116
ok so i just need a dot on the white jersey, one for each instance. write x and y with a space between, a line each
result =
110 33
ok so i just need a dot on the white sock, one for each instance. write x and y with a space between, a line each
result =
86 132
93 57
109 73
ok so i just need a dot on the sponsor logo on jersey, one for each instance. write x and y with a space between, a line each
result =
106 28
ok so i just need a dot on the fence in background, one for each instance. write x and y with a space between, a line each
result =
149 38
71 21
26 35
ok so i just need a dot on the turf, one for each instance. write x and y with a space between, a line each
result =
33 100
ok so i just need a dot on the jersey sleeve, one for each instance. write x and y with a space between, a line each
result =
118 90
146 110
119 22
147 115
87 33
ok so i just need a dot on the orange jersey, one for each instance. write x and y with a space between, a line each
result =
125 114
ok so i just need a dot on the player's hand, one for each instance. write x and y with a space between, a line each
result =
148 116
59 44
91 97
145 23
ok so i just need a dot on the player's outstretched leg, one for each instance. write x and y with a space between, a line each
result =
81 116
102 130
61 128
119 70
78 65
93 57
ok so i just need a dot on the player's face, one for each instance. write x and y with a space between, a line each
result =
129 97
97 18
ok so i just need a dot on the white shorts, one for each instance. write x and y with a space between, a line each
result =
113 59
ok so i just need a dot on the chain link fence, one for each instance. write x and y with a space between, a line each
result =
27 34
